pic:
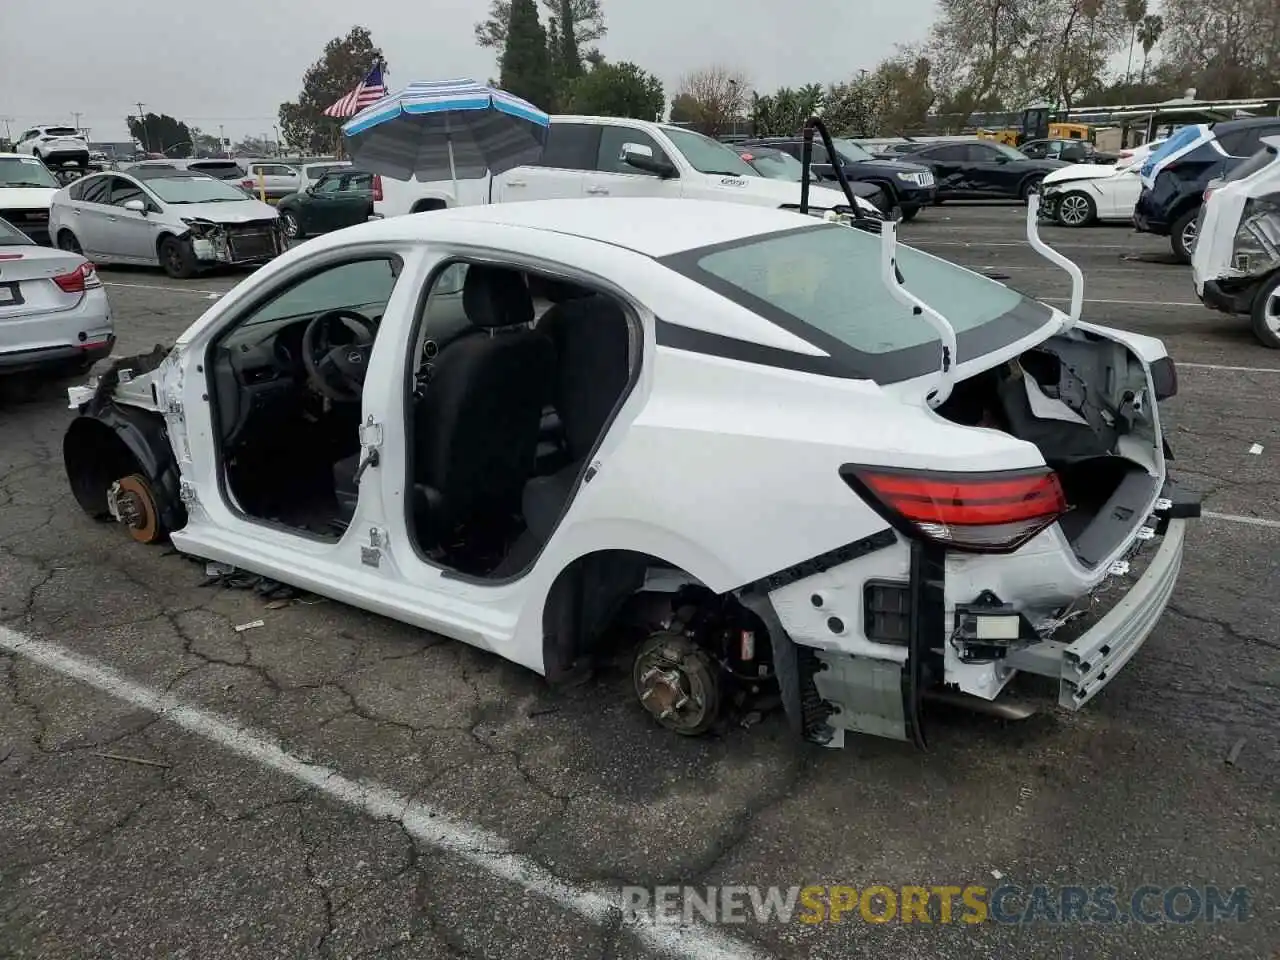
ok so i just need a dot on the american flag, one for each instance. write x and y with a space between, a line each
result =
369 91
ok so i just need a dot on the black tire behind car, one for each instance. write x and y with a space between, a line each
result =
1029 186
1182 235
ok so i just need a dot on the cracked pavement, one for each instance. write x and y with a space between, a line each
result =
124 835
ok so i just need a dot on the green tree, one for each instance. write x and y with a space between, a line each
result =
206 145
1149 33
525 68
684 109
783 113
343 64
161 133
617 90
1134 11
585 17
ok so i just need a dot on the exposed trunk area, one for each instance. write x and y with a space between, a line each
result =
1083 402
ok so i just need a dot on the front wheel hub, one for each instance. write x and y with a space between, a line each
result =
677 683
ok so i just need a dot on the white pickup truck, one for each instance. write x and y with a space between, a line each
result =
618 157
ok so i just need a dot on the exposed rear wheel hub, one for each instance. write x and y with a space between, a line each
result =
677 683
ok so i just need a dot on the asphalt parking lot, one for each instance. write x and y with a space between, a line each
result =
487 816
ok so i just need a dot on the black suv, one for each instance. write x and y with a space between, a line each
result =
906 185
1173 190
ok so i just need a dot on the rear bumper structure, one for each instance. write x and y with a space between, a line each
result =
52 358
877 688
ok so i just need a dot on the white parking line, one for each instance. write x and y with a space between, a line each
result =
925 242
428 825
1236 518
163 286
1131 303
1219 366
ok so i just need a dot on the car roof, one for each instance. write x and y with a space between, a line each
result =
1244 123
158 172
655 227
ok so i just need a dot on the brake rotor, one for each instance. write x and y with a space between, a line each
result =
135 507
677 683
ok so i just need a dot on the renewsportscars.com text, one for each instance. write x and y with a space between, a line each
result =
971 904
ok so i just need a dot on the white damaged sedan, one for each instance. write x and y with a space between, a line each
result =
762 455
182 220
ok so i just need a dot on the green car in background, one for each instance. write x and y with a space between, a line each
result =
341 198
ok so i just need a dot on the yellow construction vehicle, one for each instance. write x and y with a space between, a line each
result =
1037 124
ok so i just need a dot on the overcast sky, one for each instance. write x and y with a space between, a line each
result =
233 62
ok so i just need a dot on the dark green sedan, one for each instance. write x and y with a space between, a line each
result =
341 198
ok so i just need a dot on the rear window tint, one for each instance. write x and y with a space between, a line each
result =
223 171
61 131
1263 158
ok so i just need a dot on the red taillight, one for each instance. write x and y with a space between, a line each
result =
377 188
978 512
82 278
1208 190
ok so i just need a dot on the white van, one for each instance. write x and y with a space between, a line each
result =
619 157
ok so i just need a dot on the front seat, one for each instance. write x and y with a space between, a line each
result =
591 337
476 425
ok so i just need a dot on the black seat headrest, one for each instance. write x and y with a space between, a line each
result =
496 297
561 291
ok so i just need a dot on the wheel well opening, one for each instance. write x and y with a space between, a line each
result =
606 602
95 457
426 206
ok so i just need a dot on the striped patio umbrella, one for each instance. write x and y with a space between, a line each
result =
446 129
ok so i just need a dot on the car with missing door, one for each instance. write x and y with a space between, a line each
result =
54 313
182 220
521 426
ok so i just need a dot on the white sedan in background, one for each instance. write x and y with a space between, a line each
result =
54 314
1087 193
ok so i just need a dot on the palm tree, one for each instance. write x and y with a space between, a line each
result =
1134 12
1149 32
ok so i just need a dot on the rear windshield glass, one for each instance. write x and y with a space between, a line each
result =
1263 158
226 170
318 170
823 284
61 131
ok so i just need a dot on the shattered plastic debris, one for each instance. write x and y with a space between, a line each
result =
251 625
1256 449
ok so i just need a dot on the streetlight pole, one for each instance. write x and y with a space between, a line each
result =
146 139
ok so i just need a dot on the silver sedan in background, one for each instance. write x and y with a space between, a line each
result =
181 220
54 315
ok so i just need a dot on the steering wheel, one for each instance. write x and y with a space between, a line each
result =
336 369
